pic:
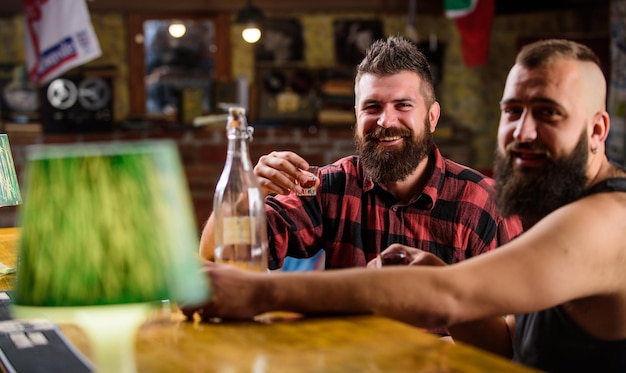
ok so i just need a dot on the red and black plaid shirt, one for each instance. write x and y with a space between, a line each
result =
354 219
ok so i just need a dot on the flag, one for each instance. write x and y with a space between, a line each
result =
59 37
459 8
474 20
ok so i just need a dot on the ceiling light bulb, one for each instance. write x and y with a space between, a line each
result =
251 34
177 30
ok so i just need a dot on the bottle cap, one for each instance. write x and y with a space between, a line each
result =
235 118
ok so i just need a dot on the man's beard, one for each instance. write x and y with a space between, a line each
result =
390 164
534 193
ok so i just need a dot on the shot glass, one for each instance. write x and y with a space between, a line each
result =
310 186
394 258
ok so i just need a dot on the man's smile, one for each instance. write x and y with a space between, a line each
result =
528 158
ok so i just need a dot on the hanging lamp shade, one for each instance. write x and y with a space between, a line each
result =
249 14
251 17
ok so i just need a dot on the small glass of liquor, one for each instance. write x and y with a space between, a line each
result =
394 258
310 186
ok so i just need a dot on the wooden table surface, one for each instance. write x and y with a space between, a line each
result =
8 256
332 344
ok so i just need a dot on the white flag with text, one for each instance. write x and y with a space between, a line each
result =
59 36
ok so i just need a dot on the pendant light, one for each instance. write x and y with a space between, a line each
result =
251 17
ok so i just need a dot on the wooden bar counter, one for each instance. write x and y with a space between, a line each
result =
329 344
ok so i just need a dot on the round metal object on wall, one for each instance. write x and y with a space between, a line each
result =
93 93
62 93
274 82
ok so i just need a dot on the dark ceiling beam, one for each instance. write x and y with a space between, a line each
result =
529 6
434 7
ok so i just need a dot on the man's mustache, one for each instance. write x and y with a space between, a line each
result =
532 146
379 133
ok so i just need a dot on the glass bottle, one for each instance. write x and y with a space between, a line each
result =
238 207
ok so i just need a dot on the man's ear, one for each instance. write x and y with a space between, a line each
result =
600 129
433 115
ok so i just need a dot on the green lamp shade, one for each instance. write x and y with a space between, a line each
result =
9 188
107 223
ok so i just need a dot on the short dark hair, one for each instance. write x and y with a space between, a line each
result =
546 51
394 55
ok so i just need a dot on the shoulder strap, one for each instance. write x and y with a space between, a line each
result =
616 184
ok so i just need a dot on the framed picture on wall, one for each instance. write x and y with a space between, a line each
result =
281 41
353 37
287 95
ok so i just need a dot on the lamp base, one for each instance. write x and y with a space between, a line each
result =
110 329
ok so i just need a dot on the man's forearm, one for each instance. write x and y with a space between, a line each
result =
323 293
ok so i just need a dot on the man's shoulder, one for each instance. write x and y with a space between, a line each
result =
457 171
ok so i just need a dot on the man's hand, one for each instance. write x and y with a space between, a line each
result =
235 294
279 172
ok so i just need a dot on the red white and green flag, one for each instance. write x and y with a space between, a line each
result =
474 20
459 8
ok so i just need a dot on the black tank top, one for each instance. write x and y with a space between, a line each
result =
550 340
615 184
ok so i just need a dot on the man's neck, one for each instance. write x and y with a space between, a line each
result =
603 171
406 189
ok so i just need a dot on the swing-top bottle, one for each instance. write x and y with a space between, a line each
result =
238 207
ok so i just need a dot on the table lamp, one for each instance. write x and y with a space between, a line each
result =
107 233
